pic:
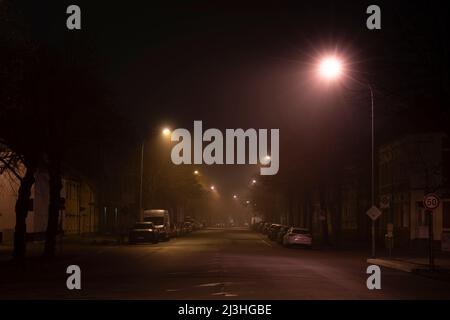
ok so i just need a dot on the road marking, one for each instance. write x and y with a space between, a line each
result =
264 241
210 284
226 294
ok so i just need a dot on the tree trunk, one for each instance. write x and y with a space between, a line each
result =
54 206
22 207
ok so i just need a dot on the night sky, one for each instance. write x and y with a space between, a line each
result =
250 65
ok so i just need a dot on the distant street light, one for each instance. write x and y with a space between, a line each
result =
253 181
235 196
166 131
213 188
331 68
196 172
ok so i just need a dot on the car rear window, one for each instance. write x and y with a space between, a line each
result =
300 231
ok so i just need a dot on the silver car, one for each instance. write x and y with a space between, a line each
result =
298 236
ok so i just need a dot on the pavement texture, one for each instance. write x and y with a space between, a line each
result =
208 264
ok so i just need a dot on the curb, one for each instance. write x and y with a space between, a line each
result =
397 265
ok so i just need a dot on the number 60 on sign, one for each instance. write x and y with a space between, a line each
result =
431 201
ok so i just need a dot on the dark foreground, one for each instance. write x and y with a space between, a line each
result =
209 264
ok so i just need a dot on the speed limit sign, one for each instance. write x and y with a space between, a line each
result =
431 201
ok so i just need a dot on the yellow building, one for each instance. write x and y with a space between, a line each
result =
80 216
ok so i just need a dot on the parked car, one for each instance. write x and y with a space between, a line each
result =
281 233
273 231
161 220
298 236
188 227
143 232
260 226
265 228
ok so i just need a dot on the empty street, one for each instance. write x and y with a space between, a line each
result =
208 264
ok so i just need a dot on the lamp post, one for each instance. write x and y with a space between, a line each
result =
331 68
141 178
373 167
166 132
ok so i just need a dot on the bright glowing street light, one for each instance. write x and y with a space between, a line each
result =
196 172
330 68
212 188
235 196
166 131
253 181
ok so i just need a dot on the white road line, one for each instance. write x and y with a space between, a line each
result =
264 241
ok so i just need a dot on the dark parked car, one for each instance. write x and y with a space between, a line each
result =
283 230
257 226
143 232
188 227
265 227
273 231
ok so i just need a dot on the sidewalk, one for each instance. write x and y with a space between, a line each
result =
87 239
416 262
410 264
93 239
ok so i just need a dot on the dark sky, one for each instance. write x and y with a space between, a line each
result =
234 65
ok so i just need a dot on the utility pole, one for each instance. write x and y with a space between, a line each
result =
141 176
373 169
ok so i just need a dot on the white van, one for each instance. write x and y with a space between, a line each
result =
161 220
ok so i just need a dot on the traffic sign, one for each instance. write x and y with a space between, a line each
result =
385 202
373 213
431 201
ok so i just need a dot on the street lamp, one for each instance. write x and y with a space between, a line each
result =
253 181
212 188
331 68
196 172
166 132
235 196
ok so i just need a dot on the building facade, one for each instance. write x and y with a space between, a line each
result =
409 168
79 215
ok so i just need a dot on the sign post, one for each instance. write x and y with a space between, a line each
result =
431 201
389 237
385 202
373 213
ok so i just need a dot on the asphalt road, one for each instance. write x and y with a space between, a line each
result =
210 264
